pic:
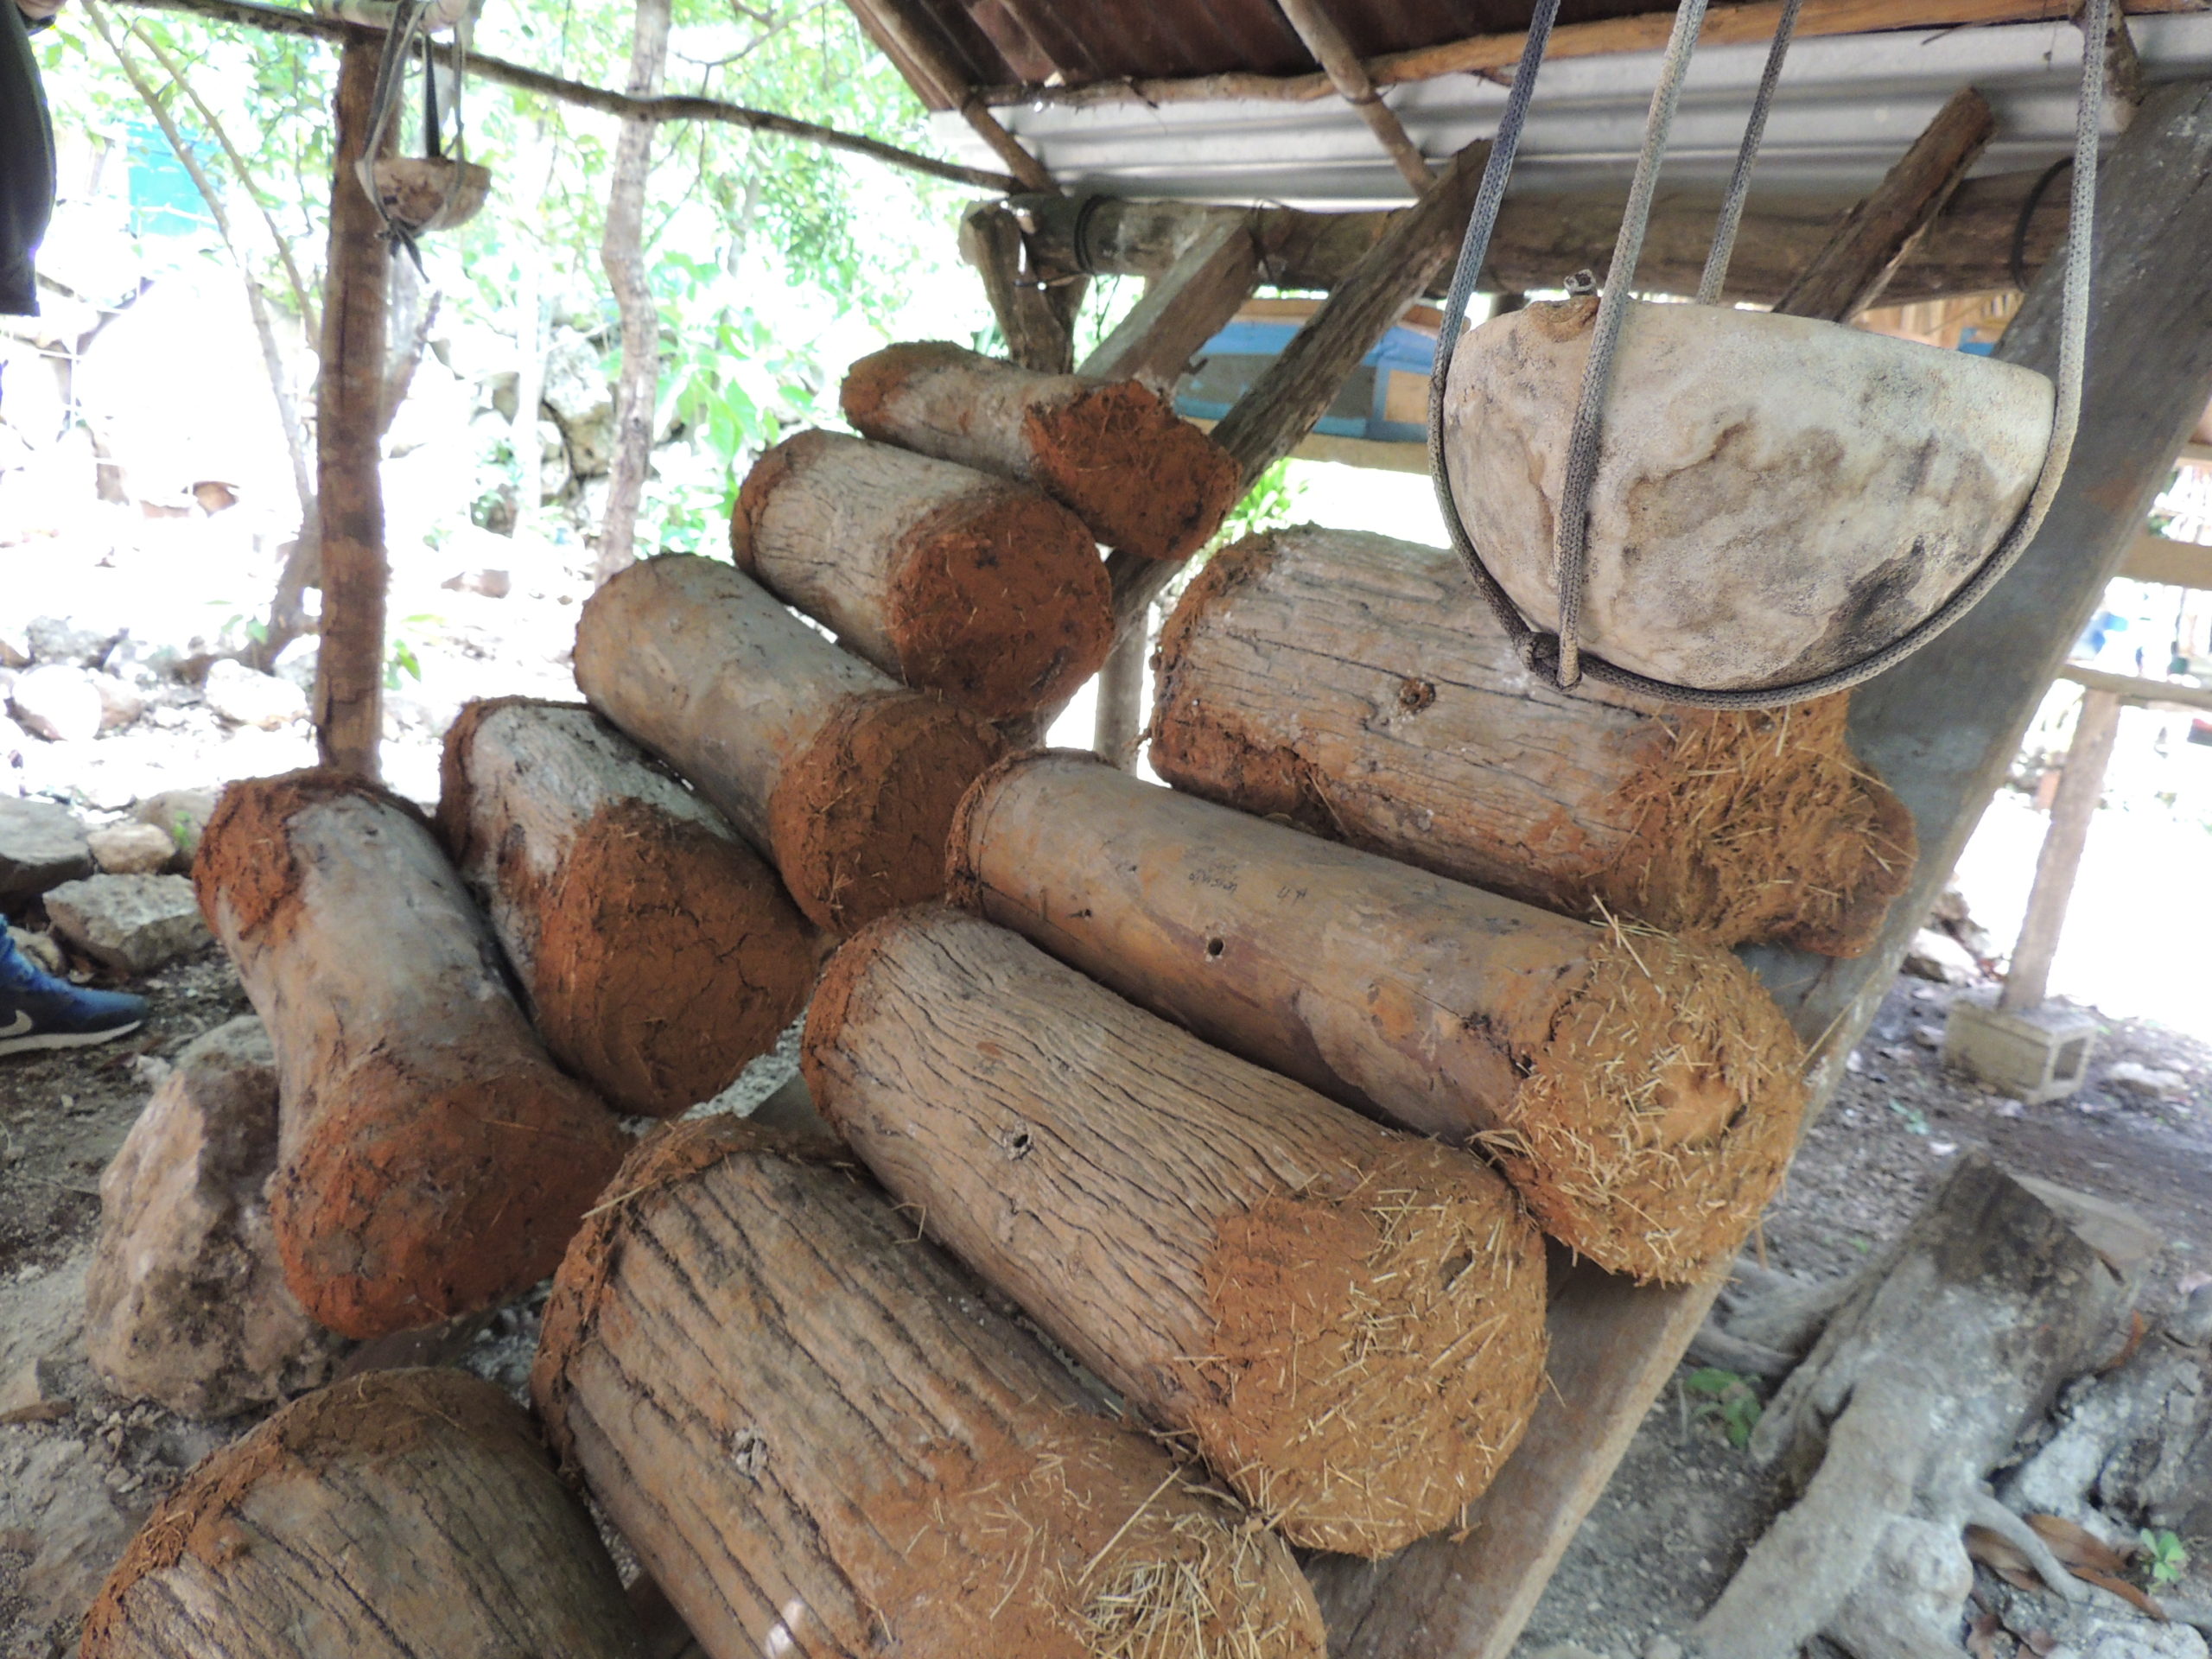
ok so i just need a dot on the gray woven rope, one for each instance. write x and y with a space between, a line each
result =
1715 276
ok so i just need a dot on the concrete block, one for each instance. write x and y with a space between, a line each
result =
2034 1054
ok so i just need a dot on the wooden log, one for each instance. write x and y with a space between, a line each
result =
657 953
1359 687
1318 30
843 778
1347 1322
821 1439
943 577
431 1160
2081 788
1115 454
396 1514
1638 1092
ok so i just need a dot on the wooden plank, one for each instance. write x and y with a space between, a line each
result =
1349 76
2081 785
2128 688
1849 274
1184 307
1967 248
2153 557
1940 729
1724 25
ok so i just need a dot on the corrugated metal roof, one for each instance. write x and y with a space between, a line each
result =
1846 109
1072 42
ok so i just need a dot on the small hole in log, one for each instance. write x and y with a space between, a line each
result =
1214 947
1019 1146
748 1453
1414 695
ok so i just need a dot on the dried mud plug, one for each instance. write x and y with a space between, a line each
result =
1776 497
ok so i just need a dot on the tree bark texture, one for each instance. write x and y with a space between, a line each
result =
396 1514
943 577
349 492
821 1439
1639 1092
622 250
431 1160
1346 1322
1359 687
846 780
1115 453
658 953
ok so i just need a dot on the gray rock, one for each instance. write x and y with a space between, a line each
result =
2190 1323
245 698
1939 957
15 646
1911 1595
2101 1626
144 663
297 661
58 702
41 845
491 584
185 1299
2146 1081
70 640
40 948
181 813
581 399
120 702
30 1395
1663 1647
129 924
61 1502
132 848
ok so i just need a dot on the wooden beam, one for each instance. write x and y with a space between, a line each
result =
1119 723
2179 564
2130 689
1349 76
348 702
939 84
1724 25
1966 250
1849 274
1183 307
2081 785
1036 312
316 26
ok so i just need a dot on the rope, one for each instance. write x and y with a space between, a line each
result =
1740 183
1571 546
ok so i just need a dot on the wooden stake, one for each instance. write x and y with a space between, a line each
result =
1849 274
2081 785
1349 76
349 408
1035 313
1119 722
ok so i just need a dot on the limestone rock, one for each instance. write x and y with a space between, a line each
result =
70 640
120 702
245 698
129 924
30 1395
58 702
131 849
53 1499
180 813
2146 1081
185 1299
581 399
41 845
1941 959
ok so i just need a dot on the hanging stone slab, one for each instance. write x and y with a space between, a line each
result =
1775 497
128 924
41 845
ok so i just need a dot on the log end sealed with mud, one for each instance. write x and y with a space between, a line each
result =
945 578
1115 453
432 1161
658 952
1358 686
820 1439
1642 1093
395 1514
845 779
1349 1323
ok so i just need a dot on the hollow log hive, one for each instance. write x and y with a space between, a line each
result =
658 953
1114 453
392 1514
1347 1321
431 1160
820 1440
844 779
1359 687
941 576
1642 1094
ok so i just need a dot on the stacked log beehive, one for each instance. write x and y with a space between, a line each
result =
1130 1075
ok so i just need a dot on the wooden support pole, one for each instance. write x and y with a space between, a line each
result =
1119 723
2080 786
932 74
1940 729
1849 273
349 665
1183 307
1349 76
2130 689
1036 314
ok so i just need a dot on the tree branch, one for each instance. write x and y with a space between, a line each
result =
283 20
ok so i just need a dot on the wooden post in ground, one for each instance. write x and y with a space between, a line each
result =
2079 785
349 666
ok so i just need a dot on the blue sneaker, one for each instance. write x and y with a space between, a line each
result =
38 1011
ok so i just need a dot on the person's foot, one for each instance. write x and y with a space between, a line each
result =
38 1010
